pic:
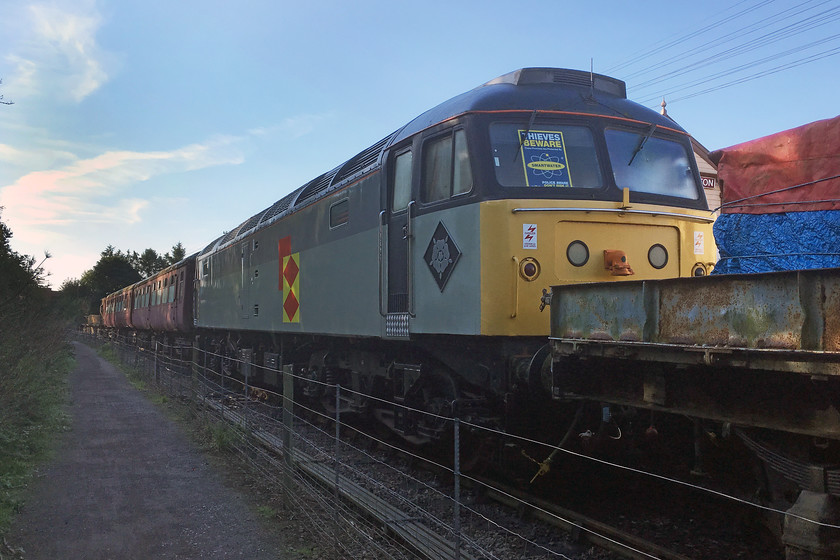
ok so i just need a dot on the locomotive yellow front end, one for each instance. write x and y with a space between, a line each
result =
585 198
530 245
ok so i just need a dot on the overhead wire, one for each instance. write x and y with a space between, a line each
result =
762 41
719 36
645 54
778 28
686 86
775 70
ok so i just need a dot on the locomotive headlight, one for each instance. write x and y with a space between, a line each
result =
658 256
578 253
529 269
699 270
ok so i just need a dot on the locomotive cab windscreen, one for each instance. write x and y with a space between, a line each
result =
548 157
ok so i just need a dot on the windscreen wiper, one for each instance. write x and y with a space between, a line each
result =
642 143
524 136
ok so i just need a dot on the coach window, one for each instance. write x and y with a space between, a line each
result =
446 167
402 181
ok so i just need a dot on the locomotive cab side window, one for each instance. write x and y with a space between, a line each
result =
401 195
446 167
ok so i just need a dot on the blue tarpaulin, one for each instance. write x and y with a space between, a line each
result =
773 242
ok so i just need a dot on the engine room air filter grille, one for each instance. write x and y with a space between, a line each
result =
316 186
252 223
363 160
280 206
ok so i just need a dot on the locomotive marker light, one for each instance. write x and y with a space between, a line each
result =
658 256
578 253
529 269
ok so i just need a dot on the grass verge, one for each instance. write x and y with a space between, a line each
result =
35 361
220 444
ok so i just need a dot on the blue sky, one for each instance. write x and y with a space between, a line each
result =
141 124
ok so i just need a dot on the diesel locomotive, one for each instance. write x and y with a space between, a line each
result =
416 271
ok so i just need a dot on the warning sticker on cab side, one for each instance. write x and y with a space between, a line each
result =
699 243
529 236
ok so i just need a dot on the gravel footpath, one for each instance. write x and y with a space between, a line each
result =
126 482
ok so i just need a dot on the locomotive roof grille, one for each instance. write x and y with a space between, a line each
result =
280 206
529 76
250 224
317 186
210 246
363 160
230 235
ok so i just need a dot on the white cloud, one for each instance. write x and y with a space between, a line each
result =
293 127
38 158
56 52
91 190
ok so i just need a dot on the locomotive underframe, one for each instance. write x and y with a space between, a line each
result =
747 387
474 379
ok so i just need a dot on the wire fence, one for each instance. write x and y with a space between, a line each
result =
361 496
359 500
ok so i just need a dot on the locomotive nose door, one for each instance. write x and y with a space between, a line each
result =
397 217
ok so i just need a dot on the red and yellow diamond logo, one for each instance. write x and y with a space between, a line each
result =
291 288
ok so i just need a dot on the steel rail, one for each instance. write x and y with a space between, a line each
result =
416 535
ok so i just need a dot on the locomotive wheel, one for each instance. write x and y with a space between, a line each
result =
436 395
539 373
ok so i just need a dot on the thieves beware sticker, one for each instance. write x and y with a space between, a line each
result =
529 236
544 158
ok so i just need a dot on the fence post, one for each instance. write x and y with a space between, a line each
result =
204 381
288 426
337 464
222 372
457 504
245 362
193 369
170 365
157 373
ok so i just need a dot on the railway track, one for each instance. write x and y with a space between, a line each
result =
429 544
425 531
407 527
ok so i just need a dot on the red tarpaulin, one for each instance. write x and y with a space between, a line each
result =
786 159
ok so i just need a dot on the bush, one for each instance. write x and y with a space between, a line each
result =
34 361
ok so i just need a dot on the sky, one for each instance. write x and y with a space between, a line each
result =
144 124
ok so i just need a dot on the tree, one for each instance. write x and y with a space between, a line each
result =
117 269
150 263
18 273
111 273
177 255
